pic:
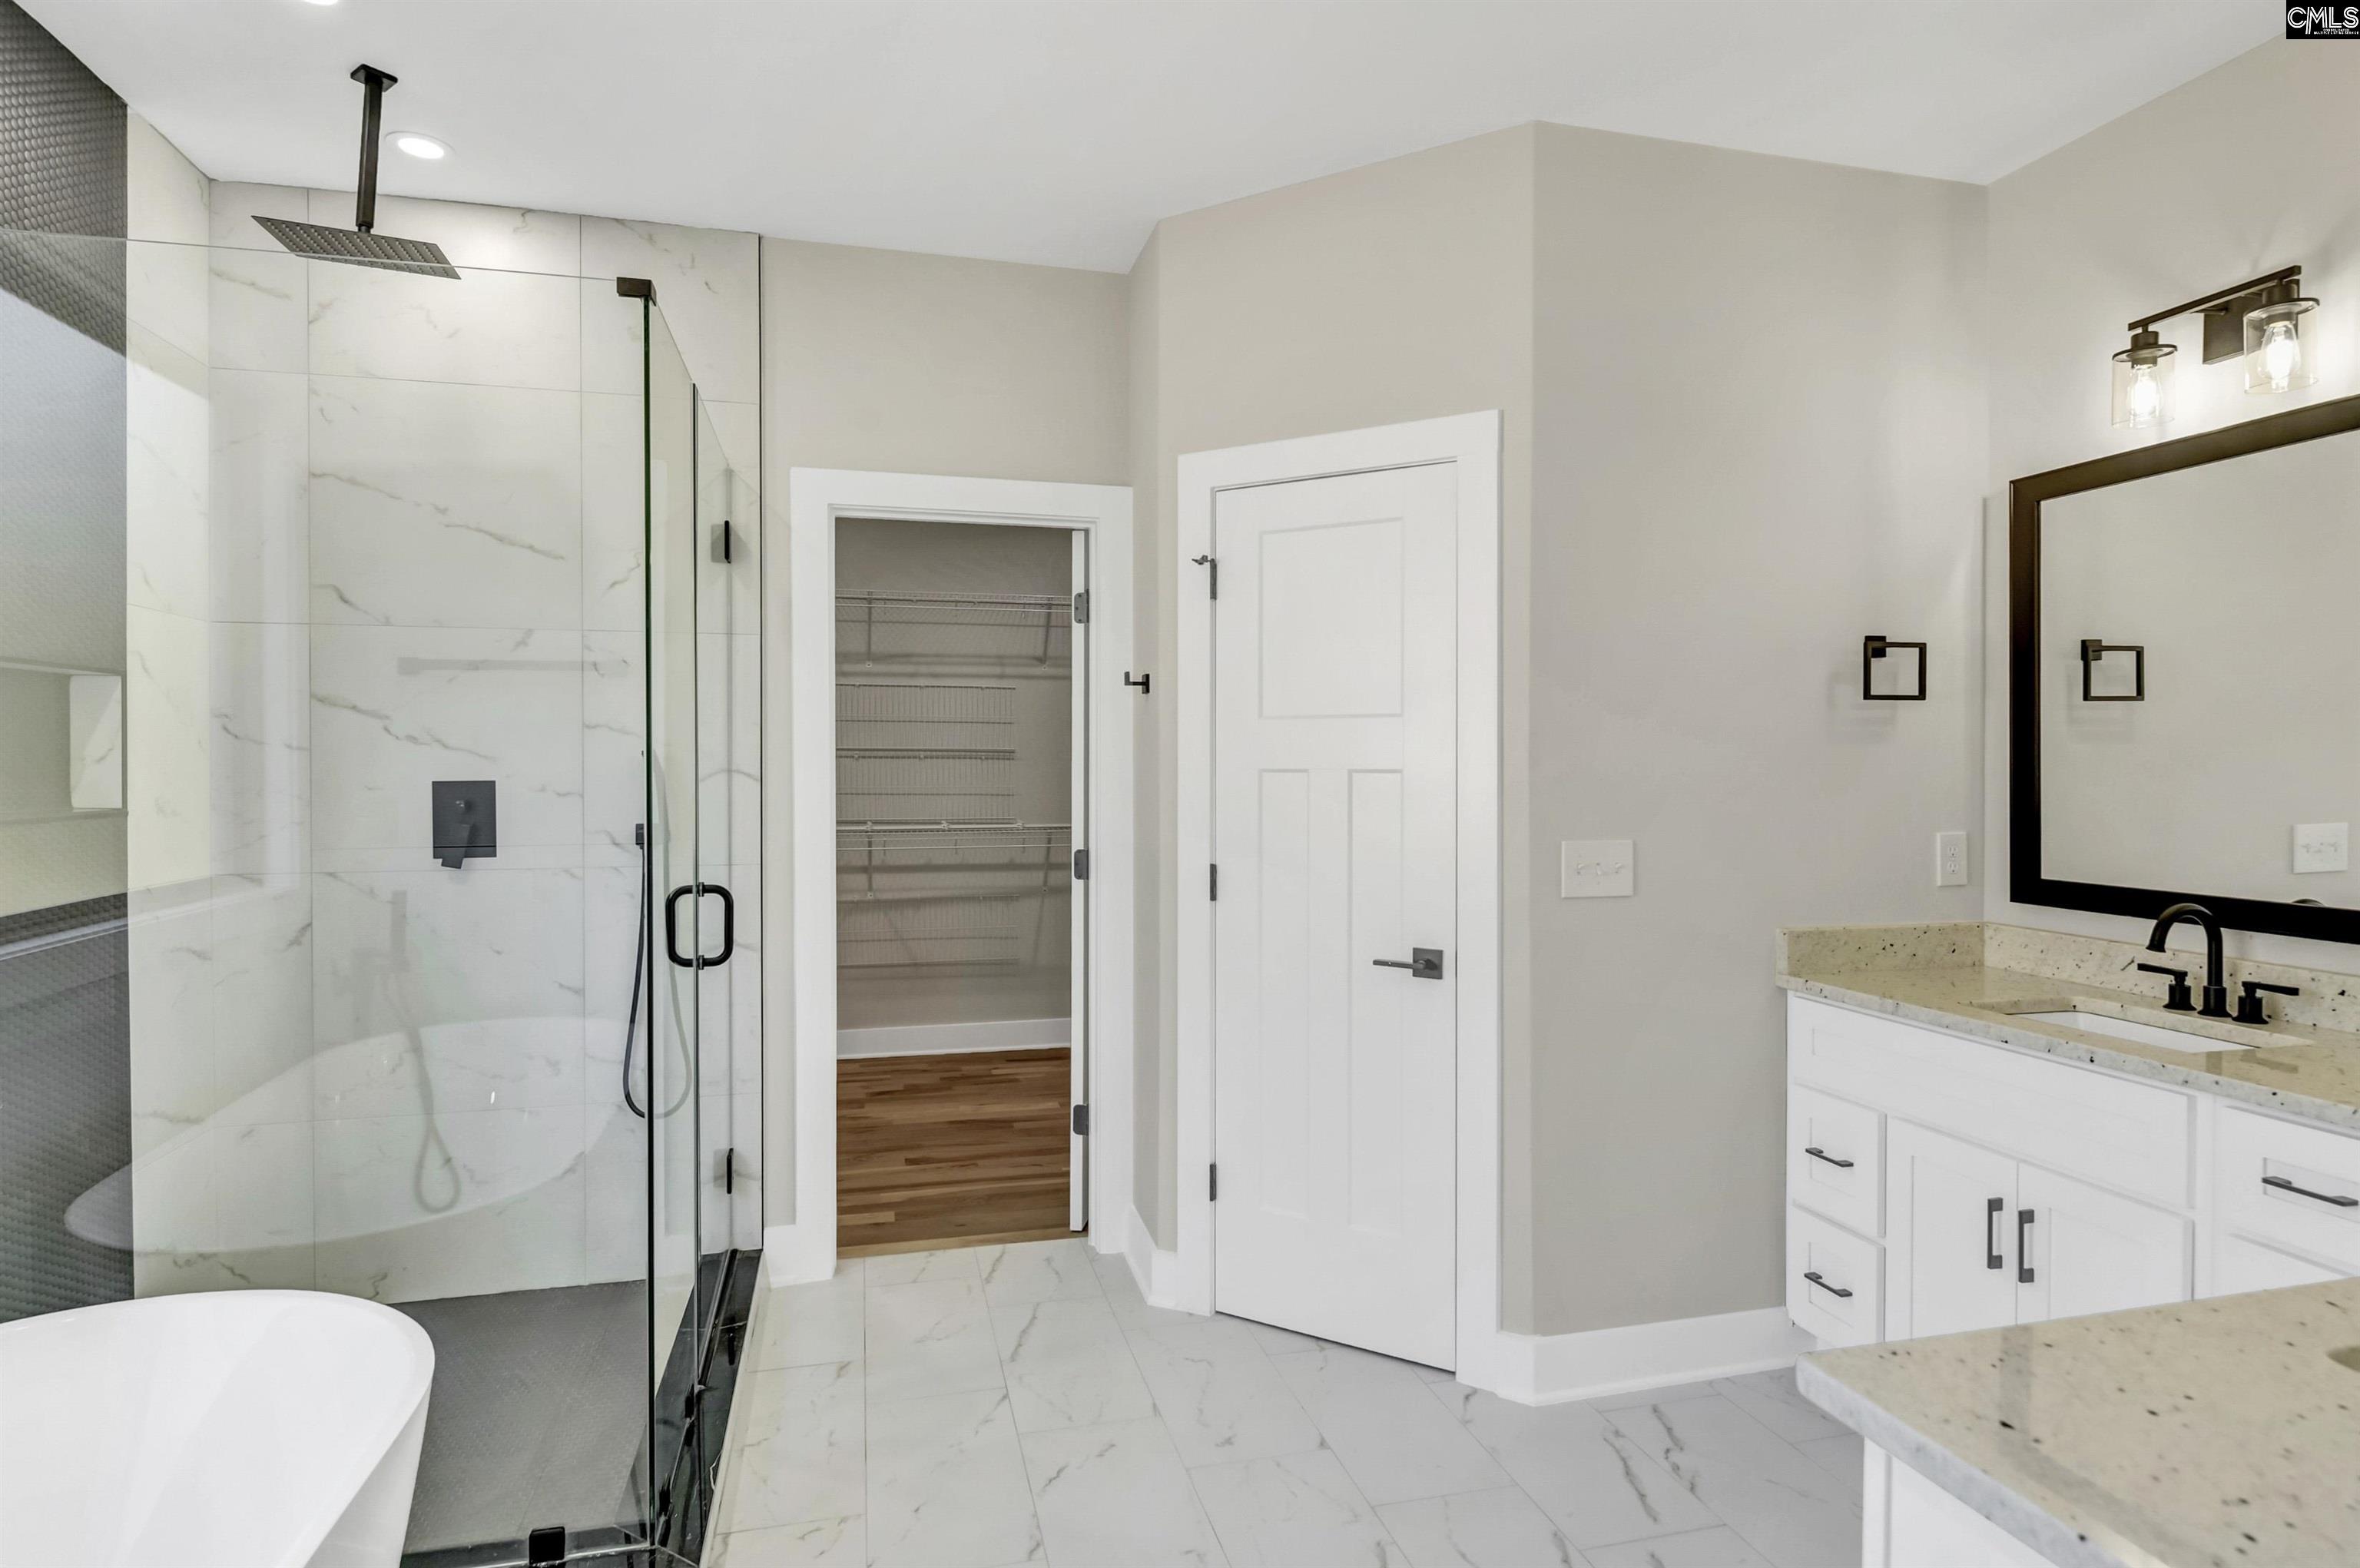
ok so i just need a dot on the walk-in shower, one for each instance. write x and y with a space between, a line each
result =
291 552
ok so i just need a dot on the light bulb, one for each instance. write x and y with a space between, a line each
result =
2281 355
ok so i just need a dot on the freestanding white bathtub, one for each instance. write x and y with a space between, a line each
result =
233 1428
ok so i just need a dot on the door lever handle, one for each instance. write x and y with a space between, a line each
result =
1423 963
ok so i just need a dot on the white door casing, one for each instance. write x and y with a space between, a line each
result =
1334 816
1078 1053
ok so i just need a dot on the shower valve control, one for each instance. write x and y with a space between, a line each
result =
467 820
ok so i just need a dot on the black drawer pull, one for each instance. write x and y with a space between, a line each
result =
2283 1185
2023 1254
1831 1290
1822 1154
1992 1258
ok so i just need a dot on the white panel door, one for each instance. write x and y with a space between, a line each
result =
1334 798
2092 1251
1950 1210
1078 948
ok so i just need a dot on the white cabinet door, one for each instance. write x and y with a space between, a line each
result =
2240 1264
1949 1207
2077 1249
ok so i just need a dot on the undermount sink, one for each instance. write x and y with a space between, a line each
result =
2133 1030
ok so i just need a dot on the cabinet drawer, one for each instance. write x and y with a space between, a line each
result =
2296 1186
1843 1304
1835 1158
2239 1266
2134 1137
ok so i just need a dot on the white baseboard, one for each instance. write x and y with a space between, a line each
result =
1155 1271
945 1039
1551 1369
794 1255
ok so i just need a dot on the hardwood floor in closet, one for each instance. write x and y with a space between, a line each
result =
950 1149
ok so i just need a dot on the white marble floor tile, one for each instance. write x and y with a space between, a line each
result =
1117 1496
947 1487
801 1456
1219 1394
1718 1547
917 1267
806 1323
1772 1399
1839 1456
1497 1528
1297 1510
1593 1481
1277 1341
931 1337
1067 1365
1788 1507
1393 1435
814 1543
1038 1271
1652 1396
1130 1308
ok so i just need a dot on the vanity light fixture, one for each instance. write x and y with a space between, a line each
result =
417 144
2143 381
2261 320
2276 357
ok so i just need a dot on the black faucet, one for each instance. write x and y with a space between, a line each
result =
2216 993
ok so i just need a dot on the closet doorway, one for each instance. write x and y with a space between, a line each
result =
962 846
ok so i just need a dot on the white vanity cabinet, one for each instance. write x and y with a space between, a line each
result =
1937 1183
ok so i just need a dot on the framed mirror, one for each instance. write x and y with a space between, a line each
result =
2184 678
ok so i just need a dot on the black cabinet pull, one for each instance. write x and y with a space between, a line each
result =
2023 1257
1992 1258
1823 1155
1812 1275
2283 1185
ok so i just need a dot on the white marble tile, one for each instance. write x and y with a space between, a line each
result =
440 505
1497 1528
168 224
260 293
1038 1271
461 1064
1771 1399
931 1337
233 205
167 475
261 504
1632 1399
261 998
614 338
1218 1391
485 329
1839 1456
916 1267
729 767
471 233
259 751
947 1487
264 1193
1117 1495
168 755
803 1455
1278 1340
396 709
614 512
614 748
169 992
459 1204
804 1323
708 286
478 946
1130 1308
1391 1433
1718 1547
1591 1480
615 1192
1297 1510
814 1543
1066 1365
1786 1507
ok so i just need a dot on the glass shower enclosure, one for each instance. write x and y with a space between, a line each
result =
373 665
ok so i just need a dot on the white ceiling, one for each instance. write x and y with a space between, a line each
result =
1059 131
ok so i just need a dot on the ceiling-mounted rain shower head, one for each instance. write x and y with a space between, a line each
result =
360 246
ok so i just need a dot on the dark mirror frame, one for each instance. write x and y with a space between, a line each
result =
2026 885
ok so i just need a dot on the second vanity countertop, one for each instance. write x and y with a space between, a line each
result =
1972 979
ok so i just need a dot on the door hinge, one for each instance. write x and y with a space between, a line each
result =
1081 1120
1212 576
729 1170
1081 865
1213 1183
1082 608
1213 883
722 542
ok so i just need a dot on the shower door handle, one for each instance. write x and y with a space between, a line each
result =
728 925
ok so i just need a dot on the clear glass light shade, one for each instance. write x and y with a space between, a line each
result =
2278 348
2143 386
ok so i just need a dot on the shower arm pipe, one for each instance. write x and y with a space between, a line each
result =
374 83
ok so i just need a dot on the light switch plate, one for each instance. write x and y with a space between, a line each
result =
2322 846
1594 868
1950 859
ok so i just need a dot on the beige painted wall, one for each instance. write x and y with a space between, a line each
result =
888 361
2250 166
1759 436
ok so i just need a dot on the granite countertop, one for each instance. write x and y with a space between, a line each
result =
1968 978
2196 1435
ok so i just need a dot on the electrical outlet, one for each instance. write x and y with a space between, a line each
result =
1950 859
1594 868
2322 846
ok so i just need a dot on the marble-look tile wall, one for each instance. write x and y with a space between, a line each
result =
416 556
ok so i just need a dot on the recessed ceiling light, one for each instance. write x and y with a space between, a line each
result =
320 2
416 143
